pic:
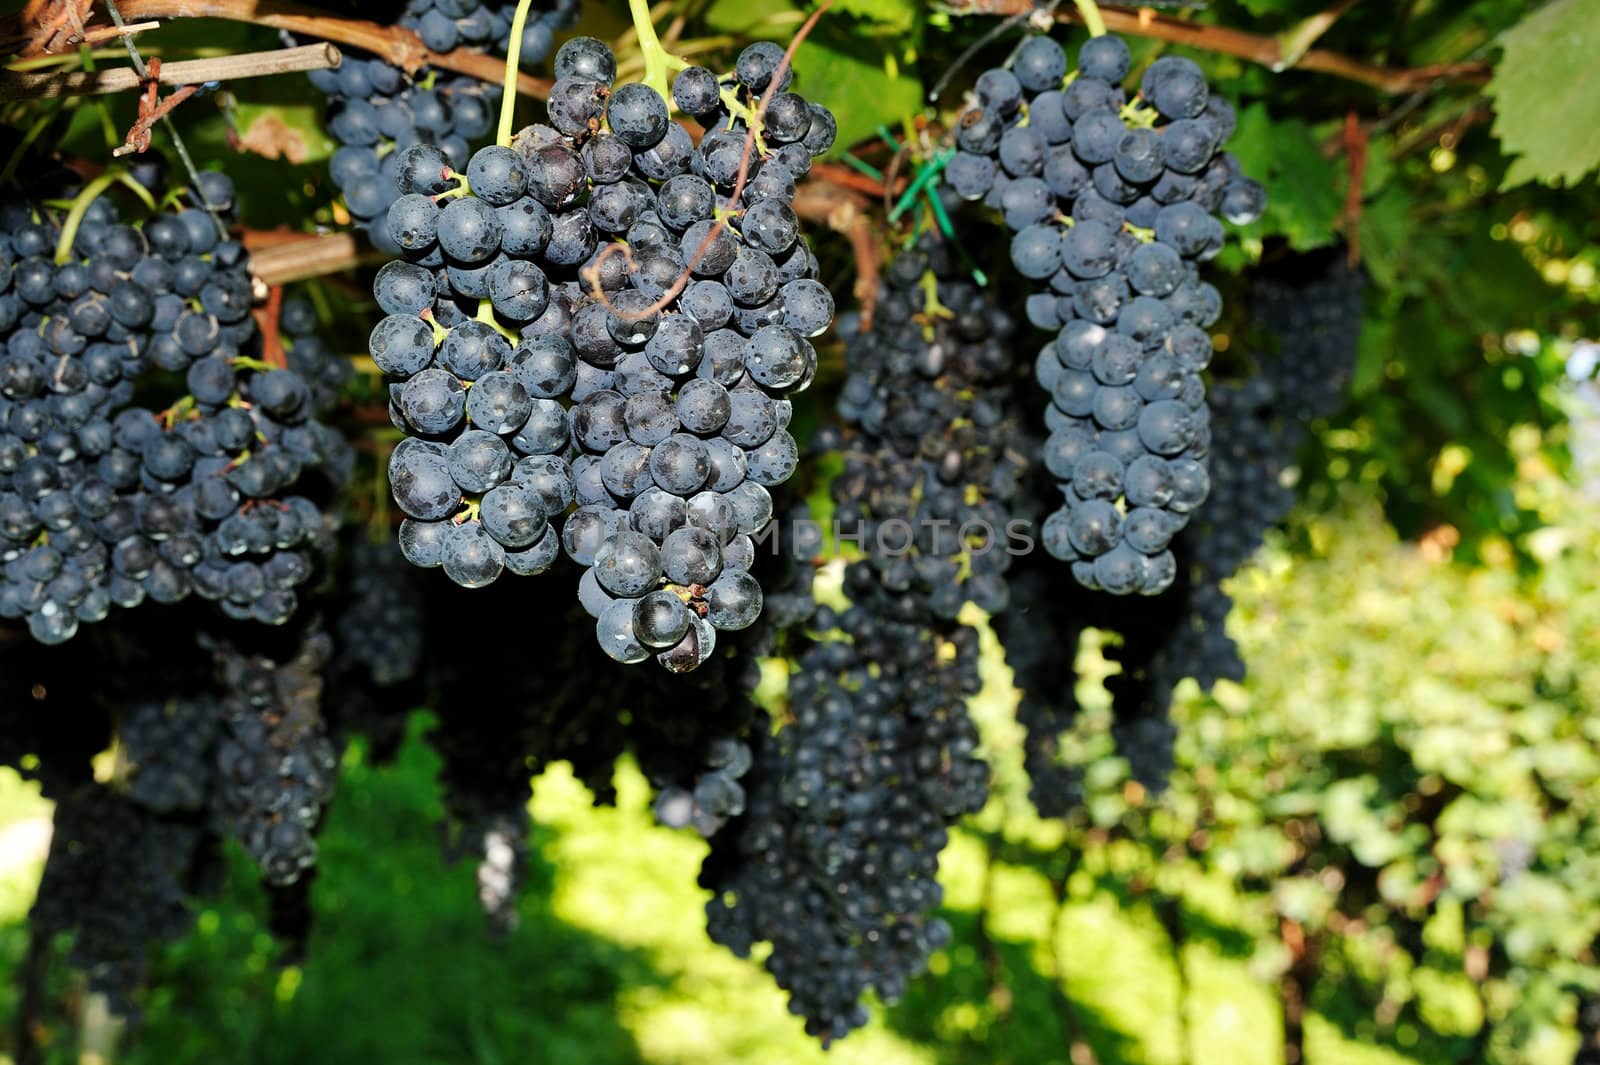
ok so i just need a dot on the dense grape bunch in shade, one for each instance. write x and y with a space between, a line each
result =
834 862
377 109
591 338
167 744
212 480
848 804
1040 632
118 878
276 766
1305 311
934 454
380 622
445 25
1114 204
212 738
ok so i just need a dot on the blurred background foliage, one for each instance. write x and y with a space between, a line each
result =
1383 847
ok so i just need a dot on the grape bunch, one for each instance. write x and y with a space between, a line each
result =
126 856
445 25
696 762
104 499
168 744
211 740
275 766
933 457
118 877
1589 1031
1040 632
834 860
1181 634
1309 309
379 627
1113 203
847 806
599 329
376 109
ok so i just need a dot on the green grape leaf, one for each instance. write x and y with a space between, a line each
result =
1499 286
1259 8
1386 232
1377 342
892 16
734 16
864 83
1381 169
865 89
1546 92
780 20
1303 189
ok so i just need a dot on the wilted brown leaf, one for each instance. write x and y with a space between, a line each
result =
270 137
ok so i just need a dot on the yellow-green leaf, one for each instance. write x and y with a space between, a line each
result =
1546 93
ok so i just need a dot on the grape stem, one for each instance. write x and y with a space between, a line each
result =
508 99
486 315
931 306
657 60
80 206
1137 115
172 131
34 132
177 412
592 274
269 324
439 331
1092 19
738 112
